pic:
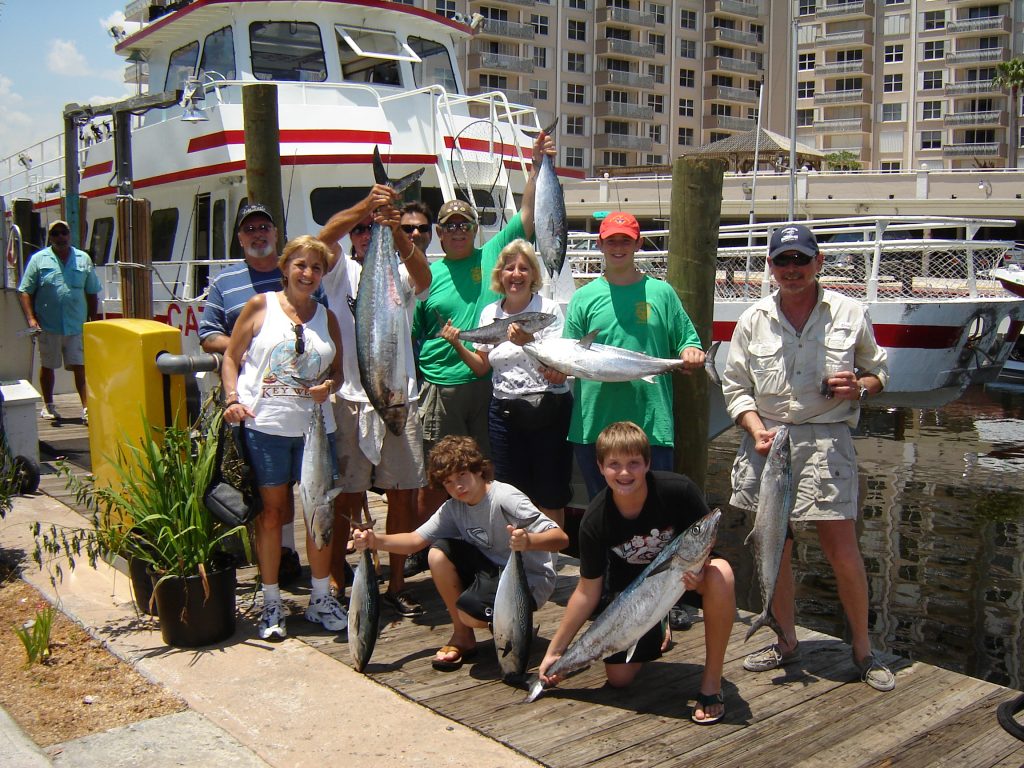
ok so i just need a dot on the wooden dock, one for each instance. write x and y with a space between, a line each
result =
816 713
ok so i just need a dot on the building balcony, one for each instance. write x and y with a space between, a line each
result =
969 87
840 9
474 5
515 97
999 23
623 16
501 62
624 79
730 64
631 48
864 37
623 141
745 10
986 149
835 68
851 96
993 117
978 56
496 28
847 125
734 37
627 110
728 123
730 94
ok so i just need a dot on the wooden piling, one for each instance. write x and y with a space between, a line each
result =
263 152
692 258
135 253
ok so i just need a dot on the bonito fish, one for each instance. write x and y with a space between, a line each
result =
317 479
497 332
598 362
513 619
774 502
363 612
642 604
382 325
550 228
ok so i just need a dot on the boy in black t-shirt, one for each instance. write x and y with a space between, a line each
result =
624 528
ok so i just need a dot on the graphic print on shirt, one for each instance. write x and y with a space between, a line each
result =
640 550
288 373
479 535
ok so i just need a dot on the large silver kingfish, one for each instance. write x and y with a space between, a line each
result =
317 480
598 362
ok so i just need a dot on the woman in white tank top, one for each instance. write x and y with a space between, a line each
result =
280 343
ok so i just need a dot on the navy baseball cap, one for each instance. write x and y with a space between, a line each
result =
793 237
250 210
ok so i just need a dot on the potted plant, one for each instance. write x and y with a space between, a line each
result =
156 517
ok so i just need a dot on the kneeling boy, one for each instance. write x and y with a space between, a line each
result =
626 525
470 538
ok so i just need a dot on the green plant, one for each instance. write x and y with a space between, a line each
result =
844 160
156 514
35 636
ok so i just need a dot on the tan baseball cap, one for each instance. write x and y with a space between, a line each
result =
457 208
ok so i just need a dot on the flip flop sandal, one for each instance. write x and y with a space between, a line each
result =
705 700
450 665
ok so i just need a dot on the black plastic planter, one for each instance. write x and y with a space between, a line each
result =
187 618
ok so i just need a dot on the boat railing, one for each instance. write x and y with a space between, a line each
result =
34 172
172 280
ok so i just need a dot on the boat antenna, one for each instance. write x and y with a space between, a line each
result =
291 181
792 114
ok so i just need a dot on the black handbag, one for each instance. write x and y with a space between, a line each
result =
236 501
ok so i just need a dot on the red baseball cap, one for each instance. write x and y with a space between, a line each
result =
619 223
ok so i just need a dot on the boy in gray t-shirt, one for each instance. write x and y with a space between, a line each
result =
471 537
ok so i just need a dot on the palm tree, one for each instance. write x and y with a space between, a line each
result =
1010 74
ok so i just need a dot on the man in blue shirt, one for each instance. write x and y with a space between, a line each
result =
59 292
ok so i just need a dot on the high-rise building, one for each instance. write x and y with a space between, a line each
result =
888 84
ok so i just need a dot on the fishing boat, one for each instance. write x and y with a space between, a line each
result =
351 75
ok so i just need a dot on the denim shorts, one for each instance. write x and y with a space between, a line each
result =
277 460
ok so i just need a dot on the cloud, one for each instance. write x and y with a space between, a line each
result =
64 58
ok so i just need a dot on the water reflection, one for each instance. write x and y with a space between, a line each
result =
942 533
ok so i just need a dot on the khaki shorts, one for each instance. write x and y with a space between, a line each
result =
824 472
401 456
55 349
458 410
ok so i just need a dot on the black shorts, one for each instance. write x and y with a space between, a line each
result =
476 571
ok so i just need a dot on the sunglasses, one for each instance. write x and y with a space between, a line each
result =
250 228
300 342
459 226
785 259
59 233
410 228
360 229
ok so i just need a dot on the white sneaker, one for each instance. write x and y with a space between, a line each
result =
49 413
271 626
85 415
327 612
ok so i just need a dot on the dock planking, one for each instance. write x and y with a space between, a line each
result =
814 713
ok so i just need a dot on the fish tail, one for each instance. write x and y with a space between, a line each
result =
550 129
759 621
380 173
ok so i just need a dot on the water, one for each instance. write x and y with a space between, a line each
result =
942 534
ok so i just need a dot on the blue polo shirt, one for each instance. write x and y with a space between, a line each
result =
58 289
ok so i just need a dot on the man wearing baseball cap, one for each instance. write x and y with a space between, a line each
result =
59 292
806 357
229 291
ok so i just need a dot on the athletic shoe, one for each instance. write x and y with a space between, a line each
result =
85 416
771 657
327 612
290 568
271 626
875 673
49 412
403 603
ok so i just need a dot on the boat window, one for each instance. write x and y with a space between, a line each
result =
324 202
181 66
435 65
102 237
162 226
371 56
220 210
219 55
287 50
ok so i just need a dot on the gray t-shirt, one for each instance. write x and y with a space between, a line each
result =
483 526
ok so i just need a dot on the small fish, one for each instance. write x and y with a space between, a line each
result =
513 620
317 479
549 221
497 332
642 604
598 362
774 503
363 612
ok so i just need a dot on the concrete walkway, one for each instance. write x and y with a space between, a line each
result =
251 703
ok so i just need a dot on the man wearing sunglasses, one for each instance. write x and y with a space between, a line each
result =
807 357
58 293
417 223
229 291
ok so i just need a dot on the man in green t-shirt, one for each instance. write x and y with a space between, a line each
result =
454 400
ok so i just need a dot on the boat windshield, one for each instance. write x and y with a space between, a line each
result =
435 65
287 50
371 56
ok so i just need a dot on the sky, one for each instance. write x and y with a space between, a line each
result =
52 53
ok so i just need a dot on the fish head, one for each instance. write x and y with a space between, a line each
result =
779 454
698 539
